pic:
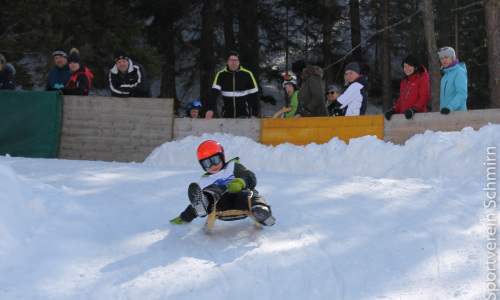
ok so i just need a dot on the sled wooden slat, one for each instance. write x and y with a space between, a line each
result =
214 215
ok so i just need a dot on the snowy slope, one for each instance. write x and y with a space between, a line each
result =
368 220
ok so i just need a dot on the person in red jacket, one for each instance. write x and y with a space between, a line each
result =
415 90
80 81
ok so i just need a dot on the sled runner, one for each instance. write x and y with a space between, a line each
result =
230 215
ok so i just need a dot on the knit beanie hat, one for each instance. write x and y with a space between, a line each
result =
233 53
447 51
59 51
298 66
353 66
120 54
73 56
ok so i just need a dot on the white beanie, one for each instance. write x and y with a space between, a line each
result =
447 51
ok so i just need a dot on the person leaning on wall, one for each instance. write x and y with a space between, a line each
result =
128 79
414 92
453 93
60 74
7 72
239 90
81 77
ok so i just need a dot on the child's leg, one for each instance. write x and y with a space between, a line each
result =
261 210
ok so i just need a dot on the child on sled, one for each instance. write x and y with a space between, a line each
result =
226 183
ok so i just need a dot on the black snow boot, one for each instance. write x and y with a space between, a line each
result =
197 199
263 215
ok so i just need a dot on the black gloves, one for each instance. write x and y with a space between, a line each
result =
445 111
388 114
410 112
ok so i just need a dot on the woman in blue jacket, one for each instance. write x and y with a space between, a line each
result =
453 95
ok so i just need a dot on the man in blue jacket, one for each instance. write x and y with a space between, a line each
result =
453 95
60 75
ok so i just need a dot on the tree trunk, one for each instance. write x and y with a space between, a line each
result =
386 60
492 16
248 37
167 89
430 40
327 42
207 55
357 55
227 19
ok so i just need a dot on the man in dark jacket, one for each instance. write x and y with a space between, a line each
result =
240 94
60 75
127 79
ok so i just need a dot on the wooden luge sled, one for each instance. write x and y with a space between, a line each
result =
227 215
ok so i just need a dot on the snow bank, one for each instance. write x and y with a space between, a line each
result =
14 214
428 155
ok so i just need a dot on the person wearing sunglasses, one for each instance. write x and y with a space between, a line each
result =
227 184
453 93
332 93
193 110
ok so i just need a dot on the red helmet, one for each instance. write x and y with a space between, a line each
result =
210 148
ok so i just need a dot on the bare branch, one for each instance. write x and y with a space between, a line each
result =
373 35
467 6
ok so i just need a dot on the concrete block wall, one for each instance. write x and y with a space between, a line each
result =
129 129
114 129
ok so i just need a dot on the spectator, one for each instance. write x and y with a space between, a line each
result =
310 97
7 72
60 75
193 110
290 85
240 93
355 98
453 95
333 107
415 90
81 77
128 79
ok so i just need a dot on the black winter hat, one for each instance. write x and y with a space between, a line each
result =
74 56
353 66
120 54
298 66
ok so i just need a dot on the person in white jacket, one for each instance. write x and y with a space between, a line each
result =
355 98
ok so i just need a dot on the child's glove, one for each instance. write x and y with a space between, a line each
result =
177 221
58 86
236 185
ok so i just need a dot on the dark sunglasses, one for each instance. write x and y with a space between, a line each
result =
330 93
210 161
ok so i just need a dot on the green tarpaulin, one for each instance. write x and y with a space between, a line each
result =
30 123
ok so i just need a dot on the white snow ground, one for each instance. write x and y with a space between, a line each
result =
368 220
